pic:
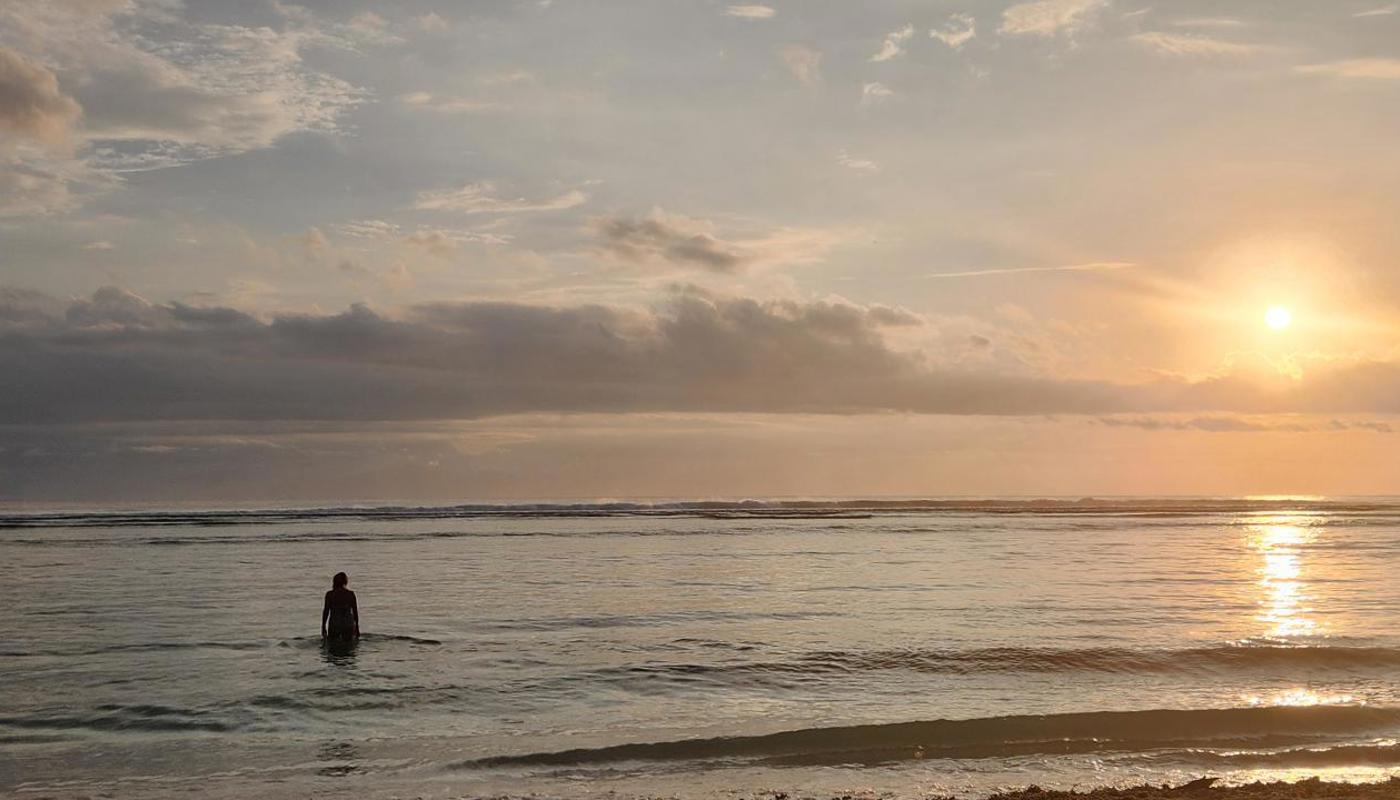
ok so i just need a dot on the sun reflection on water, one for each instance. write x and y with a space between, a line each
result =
1300 697
1283 589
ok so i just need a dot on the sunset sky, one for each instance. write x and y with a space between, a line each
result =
265 250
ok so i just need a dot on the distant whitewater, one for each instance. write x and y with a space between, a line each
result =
689 648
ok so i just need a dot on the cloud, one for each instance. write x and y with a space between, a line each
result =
1048 17
1238 424
32 105
1357 68
957 31
441 242
480 198
447 105
803 62
874 93
893 44
432 22
87 79
852 162
1383 11
367 229
661 238
33 187
444 242
116 356
1209 22
1094 266
1175 44
751 12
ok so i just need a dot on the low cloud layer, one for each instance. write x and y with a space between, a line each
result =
117 357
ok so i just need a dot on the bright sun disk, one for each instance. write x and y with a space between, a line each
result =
1278 317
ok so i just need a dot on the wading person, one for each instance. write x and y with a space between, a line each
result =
340 617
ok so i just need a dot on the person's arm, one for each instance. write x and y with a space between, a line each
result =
355 609
325 614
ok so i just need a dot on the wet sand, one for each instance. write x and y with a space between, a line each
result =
1310 789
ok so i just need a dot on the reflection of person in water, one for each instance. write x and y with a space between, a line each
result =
340 617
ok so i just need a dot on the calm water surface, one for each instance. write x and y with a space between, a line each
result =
697 651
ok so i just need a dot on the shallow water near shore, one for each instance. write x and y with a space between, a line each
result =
693 649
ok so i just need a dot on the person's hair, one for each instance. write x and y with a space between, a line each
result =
340 580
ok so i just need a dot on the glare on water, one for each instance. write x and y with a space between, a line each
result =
1284 592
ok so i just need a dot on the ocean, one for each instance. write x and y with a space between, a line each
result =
701 649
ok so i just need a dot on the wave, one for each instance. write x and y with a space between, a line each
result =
997 737
301 642
1216 660
768 509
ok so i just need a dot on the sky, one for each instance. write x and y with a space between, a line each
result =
506 249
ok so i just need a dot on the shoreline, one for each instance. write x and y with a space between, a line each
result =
1313 788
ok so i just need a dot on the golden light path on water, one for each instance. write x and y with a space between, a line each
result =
1284 598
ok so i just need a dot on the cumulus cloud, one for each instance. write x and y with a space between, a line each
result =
1175 44
893 44
32 105
662 238
957 31
481 198
1385 69
1048 17
751 12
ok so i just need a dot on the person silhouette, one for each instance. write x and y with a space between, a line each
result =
340 616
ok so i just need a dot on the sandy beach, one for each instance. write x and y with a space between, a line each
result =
1309 789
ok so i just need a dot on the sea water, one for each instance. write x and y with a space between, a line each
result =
699 649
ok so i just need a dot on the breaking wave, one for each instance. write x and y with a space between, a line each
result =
1176 732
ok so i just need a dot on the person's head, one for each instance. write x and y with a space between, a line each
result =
340 580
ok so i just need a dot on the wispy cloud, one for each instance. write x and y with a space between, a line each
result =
1387 69
1176 44
1094 266
849 161
1378 12
1209 22
1048 17
480 198
803 62
875 92
957 31
1242 424
446 105
751 12
893 44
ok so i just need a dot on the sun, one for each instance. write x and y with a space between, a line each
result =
1278 317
